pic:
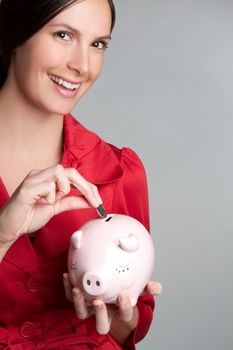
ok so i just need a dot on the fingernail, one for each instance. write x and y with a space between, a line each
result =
76 293
156 290
98 304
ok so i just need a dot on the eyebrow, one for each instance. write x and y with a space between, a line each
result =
78 32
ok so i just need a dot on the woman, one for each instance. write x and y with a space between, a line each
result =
54 173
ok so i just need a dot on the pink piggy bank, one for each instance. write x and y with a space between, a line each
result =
107 256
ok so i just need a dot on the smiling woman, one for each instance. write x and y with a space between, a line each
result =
67 39
54 173
13 14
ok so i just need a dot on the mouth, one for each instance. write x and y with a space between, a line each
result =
113 296
64 84
105 299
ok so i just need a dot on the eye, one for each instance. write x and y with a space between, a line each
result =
100 45
63 35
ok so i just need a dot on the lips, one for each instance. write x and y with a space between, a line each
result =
64 87
114 296
70 85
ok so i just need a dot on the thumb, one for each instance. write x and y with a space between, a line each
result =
154 287
70 203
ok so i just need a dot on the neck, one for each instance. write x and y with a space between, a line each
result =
26 130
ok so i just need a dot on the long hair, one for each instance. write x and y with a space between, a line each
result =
20 20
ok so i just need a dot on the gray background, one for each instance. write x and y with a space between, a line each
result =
166 91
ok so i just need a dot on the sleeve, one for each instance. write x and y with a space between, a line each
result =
131 198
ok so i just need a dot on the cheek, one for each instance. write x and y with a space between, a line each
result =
96 65
24 64
123 260
36 58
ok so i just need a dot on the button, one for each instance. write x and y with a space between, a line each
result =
32 285
27 330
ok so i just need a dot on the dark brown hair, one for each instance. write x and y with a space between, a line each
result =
20 20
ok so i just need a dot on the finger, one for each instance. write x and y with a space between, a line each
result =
41 192
70 203
57 174
125 307
45 192
46 174
89 190
101 317
33 172
80 306
63 187
154 288
67 287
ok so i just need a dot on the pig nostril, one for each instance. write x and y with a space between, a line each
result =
98 283
88 282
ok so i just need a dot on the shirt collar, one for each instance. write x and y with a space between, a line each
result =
86 151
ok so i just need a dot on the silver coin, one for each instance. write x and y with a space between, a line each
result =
101 211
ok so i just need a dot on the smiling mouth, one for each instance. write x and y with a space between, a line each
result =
114 296
105 299
66 84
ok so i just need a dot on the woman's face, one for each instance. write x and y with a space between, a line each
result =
56 66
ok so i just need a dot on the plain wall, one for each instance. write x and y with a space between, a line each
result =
166 92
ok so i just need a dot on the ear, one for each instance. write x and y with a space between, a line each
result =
75 239
129 244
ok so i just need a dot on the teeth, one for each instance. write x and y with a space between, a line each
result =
64 83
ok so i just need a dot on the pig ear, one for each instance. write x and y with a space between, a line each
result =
129 244
76 239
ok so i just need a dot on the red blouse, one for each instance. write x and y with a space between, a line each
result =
34 312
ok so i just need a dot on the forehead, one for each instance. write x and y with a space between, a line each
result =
88 16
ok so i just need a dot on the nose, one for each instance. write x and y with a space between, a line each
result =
79 61
93 284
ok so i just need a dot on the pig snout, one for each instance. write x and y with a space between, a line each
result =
93 284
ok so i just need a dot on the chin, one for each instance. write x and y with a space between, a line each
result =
60 110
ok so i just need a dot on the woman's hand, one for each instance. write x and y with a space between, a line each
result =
119 320
154 288
41 196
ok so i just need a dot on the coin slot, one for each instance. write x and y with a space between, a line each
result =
108 219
